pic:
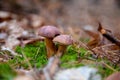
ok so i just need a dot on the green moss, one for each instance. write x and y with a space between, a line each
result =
35 53
71 56
6 72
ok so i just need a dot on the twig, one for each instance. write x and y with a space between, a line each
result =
108 66
36 53
89 49
104 46
106 33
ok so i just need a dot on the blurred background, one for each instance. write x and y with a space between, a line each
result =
21 19
74 13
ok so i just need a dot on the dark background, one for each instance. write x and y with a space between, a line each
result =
69 12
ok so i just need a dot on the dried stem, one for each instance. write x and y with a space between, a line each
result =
108 66
108 35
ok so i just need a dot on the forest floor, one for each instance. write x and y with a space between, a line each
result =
21 48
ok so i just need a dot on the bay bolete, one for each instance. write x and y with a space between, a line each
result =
63 41
114 76
49 32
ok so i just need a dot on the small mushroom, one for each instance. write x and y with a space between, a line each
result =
114 76
63 41
49 32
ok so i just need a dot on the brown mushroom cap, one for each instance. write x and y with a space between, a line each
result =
114 76
48 31
64 39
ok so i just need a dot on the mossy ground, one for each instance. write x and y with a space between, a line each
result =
73 57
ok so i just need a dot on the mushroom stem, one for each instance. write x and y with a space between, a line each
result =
51 49
61 50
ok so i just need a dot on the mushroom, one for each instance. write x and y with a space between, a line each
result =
49 32
114 76
63 41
